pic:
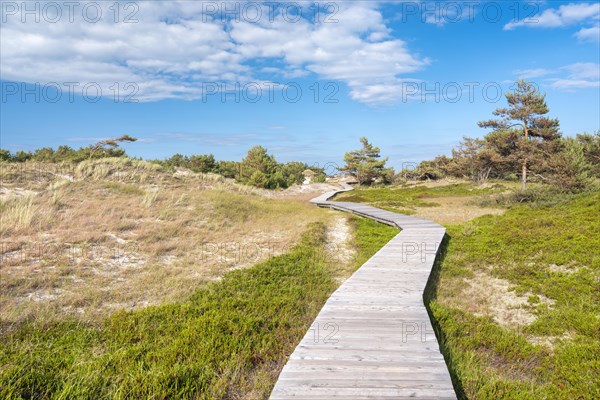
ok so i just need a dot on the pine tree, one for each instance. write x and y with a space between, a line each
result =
526 109
365 164
257 160
104 145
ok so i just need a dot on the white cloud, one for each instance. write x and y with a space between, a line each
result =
532 73
159 57
589 34
573 84
569 77
176 46
565 15
337 51
435 19
584 71
580 76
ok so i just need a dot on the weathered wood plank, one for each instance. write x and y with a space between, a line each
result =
373 339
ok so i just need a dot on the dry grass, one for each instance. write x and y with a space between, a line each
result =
436 182
446 202
17 213
121 233
454 210
305 192
505 306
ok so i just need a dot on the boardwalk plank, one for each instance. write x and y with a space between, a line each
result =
373 338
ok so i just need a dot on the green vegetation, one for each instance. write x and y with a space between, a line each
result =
258 168
405 199
572 165
524 145
538 134
536 195
113 143
103 149
202 163
545 252
540 251
62 154
366 164
370 236
229 340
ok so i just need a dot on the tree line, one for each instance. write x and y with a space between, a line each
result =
258 168
523 144
102 149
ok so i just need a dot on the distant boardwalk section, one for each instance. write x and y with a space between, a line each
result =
373 338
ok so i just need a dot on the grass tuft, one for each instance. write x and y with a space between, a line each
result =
17 213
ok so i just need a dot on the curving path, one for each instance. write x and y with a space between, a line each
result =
373 338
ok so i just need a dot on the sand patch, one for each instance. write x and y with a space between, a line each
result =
338 245
563 269
338 239
488 295
15 193
550 341
304 192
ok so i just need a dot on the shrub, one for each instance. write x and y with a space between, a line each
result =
5 155
569 170
539 196
258 179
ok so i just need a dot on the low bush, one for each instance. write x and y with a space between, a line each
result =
538 196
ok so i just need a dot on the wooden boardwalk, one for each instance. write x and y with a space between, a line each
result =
373 338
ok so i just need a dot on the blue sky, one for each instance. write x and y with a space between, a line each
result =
400 73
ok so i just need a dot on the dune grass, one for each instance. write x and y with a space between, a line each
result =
402 198
18 213
228 340
111 238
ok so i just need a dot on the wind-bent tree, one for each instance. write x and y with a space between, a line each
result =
110 144
526 109
366 164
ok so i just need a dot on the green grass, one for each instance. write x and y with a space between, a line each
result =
489 361
229 340
405 199
523 246
124 188
225 340
492 361
370 236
